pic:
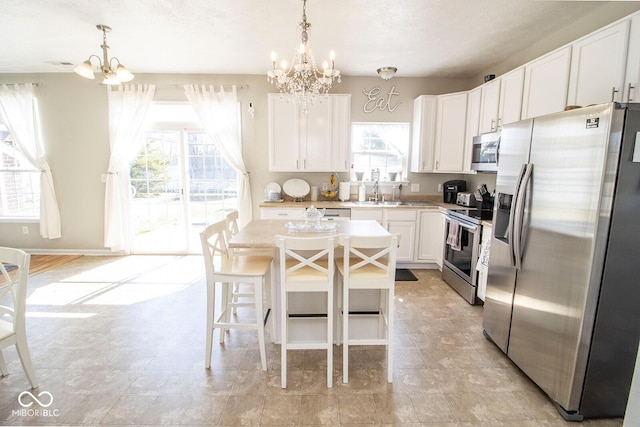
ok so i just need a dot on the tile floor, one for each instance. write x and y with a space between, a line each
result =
120 341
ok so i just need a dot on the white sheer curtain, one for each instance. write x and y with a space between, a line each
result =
128 108
218 112
19 112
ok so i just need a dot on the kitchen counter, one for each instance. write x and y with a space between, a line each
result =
424 202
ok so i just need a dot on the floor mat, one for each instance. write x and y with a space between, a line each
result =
405 275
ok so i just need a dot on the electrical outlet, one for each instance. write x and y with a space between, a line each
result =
439 188
415 188
25 229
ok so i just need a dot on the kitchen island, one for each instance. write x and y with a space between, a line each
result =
262 234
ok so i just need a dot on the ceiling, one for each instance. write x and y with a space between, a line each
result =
422 38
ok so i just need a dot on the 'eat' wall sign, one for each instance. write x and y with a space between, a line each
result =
377 101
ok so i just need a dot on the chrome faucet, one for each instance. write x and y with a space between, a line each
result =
376 192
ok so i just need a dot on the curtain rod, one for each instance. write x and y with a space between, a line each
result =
200 84
156 85
23 83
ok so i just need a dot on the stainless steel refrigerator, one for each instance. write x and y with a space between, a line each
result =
563 289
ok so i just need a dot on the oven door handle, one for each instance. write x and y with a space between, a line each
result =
463 224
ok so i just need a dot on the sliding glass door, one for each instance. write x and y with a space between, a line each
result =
179 184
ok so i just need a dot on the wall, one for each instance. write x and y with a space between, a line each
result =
74 118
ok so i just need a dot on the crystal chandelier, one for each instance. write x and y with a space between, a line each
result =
113 73
302 81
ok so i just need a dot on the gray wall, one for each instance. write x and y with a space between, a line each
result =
74 117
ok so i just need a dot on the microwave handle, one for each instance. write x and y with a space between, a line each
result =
498 151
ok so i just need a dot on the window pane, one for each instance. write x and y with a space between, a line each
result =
19 181
381 147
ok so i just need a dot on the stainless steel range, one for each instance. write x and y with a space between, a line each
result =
463 231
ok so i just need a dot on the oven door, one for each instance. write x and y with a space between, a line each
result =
459 266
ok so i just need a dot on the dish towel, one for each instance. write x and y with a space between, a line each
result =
483 259
455 232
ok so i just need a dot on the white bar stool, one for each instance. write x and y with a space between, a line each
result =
227 269
306 265
367 262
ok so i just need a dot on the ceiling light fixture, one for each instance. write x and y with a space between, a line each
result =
387 72
113 73
302 81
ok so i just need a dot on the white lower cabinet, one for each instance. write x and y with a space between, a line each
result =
482 275
402 221
430 236
367 214
281 213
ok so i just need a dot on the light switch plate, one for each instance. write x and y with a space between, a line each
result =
415 188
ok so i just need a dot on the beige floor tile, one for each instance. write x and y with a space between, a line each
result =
126 347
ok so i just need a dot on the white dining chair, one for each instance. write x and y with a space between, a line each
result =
226 269
366 262
12 315
306 266
237 291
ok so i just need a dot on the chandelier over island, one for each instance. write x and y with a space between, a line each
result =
301 81
113 72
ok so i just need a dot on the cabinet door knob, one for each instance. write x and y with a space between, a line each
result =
629 92
613 94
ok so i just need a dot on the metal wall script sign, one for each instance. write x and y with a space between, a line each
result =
377 101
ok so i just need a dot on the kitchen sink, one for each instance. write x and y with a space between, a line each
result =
389 203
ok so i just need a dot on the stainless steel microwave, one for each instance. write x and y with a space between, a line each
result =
484 157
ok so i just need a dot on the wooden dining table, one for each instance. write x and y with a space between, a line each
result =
262 234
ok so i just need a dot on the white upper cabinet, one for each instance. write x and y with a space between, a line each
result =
510 108
489 106
474 98
317 141
341 132
632 76
451 115
423 133
439 123
501 101
546 80
598 63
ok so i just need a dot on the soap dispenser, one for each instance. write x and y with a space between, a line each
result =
362 192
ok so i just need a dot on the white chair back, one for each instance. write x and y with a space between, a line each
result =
13 303
369 260
14 286
306 260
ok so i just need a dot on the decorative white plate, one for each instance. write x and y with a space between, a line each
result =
272 186
296 188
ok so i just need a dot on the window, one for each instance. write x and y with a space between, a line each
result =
19 181
380 147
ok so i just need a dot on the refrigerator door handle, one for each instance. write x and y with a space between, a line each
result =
519 214
510 226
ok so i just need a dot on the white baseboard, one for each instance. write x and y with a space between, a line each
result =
87 252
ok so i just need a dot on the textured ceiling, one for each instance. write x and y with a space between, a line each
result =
420 37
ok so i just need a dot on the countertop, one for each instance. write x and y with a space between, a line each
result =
435 203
